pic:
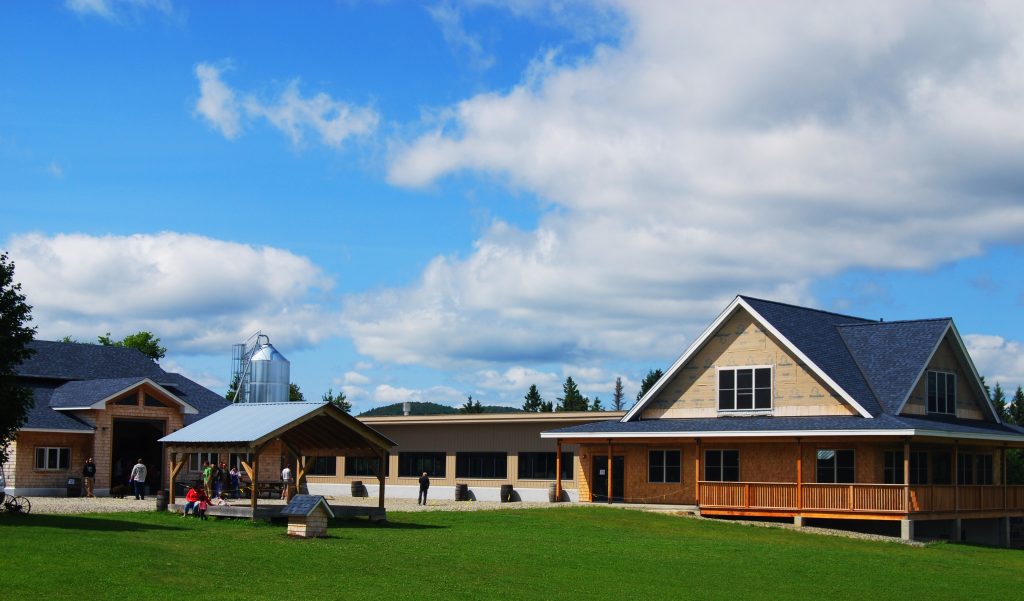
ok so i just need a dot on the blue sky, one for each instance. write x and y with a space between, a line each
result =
422 201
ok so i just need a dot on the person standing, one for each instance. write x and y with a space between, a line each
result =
225 479
286 481
89 476
207 474
216 479
233 474
139 480
424 485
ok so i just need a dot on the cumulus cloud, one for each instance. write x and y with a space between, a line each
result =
998 359
198 294
332 120
386 394
684 166
354 377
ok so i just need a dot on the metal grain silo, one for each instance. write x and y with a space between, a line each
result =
269 375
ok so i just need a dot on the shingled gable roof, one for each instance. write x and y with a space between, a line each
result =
809 334
63 375
94 394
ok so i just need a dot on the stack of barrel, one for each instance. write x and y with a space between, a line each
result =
461 492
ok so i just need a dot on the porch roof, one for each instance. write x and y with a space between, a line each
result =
761 426
307 426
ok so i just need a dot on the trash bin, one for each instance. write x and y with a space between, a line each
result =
74 487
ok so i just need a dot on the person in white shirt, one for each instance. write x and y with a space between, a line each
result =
138 479
286 481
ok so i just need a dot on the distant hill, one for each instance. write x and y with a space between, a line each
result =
416 408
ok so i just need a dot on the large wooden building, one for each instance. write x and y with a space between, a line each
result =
109 403
783 411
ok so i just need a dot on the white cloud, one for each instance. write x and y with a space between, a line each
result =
113 9
515 379
353 377
55 170
998 359
332 120
217 103
197 294
353 393
386 393
449 19
685 167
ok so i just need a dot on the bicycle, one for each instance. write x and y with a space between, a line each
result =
14 504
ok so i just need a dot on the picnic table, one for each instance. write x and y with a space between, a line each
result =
272 488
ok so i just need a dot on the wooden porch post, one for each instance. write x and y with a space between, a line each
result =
799 474
956 476
611 485
1002 474
381 476
906 475
558 470
696 476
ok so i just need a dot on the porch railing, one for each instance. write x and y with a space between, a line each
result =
865 498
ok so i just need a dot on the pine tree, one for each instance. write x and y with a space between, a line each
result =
533 400
571 399
546 407
618 397
649 380
471 406
337 400
1017 407
999 400
596 404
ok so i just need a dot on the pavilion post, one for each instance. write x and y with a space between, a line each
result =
255 477
956 475
175 470
696 476
381 476
558 470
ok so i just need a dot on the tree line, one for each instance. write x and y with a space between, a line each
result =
573 400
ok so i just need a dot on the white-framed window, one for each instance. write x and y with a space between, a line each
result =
941 393
236 459
53 458
663 467
195 461
835 466
745 388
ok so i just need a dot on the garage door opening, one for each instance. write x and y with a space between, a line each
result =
135 438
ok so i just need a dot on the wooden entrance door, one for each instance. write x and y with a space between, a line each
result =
599 492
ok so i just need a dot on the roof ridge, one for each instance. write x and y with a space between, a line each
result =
772 302
896 321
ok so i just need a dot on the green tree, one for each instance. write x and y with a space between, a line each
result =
471 406
338 400
144 342
649 380
546 407
295 393
618 397
999 400
1017 407
68 340
571 399
232 388
533 400
596 404
15 336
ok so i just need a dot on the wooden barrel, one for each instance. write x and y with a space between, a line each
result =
506 493
161 500
461 492
553 493
357 488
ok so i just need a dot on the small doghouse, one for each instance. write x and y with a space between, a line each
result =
307 516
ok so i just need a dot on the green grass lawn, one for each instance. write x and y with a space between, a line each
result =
568 553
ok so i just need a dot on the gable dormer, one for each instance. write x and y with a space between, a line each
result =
948 386
742 367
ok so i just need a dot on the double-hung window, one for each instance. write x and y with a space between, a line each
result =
196 460
745 389
53 458
919 467
722 465
983 475
941 392
663 466
835 466
892 470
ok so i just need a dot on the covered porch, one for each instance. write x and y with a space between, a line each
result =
302 431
